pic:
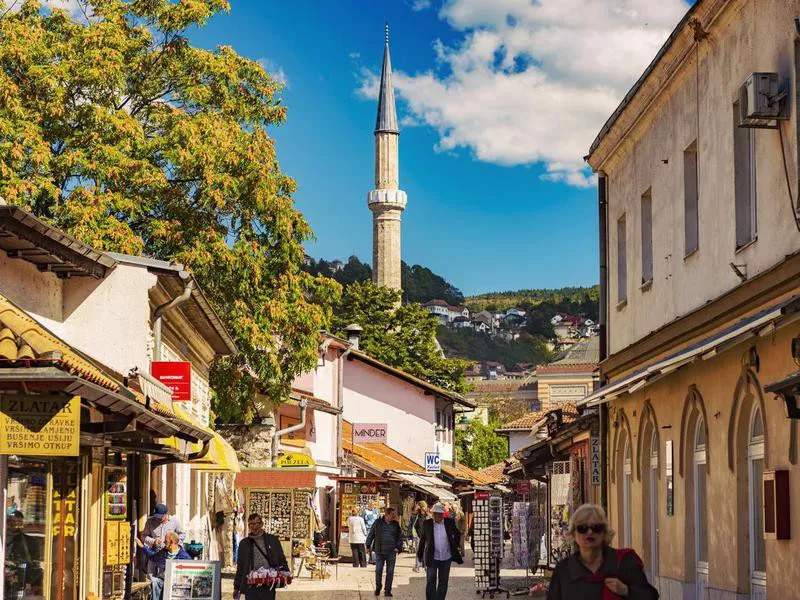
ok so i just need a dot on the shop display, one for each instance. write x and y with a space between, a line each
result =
116 500
560 510
519 534
488 543
279 521
286 513
301 522
358 495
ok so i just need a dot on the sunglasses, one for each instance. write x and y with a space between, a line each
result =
582 529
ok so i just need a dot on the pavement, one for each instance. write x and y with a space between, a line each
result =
359 584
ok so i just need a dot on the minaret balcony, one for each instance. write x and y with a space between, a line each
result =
395 198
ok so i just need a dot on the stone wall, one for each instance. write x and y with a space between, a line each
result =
253 443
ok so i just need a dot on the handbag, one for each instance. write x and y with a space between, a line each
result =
621 553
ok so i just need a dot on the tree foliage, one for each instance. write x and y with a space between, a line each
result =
420 284
117 130
478 446
403 336
469 344
570 299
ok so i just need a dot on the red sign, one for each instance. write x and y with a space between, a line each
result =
177 376
482 495
523 488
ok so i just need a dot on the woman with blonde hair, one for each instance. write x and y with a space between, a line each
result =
595 570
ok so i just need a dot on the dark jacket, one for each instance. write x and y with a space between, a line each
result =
573 581
426 549
157 563
247 550
375 537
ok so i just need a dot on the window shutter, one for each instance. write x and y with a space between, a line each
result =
690 199
622 264
647 236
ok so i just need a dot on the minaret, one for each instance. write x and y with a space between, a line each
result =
386 201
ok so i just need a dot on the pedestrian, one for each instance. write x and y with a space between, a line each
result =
357 530
158 525
595 569
461 522
438 548
257 550
385 539
157 561
370 515
417 521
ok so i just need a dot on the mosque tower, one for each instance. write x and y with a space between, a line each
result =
386 201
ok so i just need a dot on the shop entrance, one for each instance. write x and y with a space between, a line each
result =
42 529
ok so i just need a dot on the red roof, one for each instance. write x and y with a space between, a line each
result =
567 368
276 479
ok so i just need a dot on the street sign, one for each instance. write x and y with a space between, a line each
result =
40 425
192 579
433 464
177 376
369 433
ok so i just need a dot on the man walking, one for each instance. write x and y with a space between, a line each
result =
386 540
258 550
438 547
357 531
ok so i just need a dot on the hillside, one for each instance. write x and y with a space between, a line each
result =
575 297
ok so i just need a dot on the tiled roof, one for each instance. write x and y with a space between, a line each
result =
524 423
379 456
26 343
493 473
276 479
584 352
461 471
566 368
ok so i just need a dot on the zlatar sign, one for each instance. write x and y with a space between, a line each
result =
40 425
369 433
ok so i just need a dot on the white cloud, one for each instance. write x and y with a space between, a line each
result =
420 5
72 7
275 70
533 82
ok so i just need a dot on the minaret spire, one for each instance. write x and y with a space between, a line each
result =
387 201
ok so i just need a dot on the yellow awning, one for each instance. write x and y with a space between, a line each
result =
220 456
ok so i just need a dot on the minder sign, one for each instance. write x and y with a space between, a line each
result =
40 425
369 433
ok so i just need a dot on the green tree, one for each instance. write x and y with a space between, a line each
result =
478 446
117 130
403 336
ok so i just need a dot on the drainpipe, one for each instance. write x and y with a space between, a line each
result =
340 416
188 286
602 203
280 432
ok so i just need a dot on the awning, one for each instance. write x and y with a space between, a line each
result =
761 323
220 456
429 484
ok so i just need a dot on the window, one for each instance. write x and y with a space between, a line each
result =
700 508
647 237
690 200
622 264
744 167
653 503
755 474
626 495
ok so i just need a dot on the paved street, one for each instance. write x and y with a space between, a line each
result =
359 583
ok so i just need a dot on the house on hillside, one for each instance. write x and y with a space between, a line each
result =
462 322
445 312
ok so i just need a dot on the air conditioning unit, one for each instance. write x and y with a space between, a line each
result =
760 102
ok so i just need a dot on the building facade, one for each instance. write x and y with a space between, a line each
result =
699 261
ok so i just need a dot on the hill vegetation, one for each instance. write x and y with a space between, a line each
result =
468 344
569 299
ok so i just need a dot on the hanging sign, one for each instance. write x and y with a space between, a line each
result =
433 463
40 425
177 376
295 460
192 580
595 460
369 433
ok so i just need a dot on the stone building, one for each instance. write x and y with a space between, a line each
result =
387 202
699 265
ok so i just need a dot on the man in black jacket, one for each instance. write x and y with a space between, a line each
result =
385 538
438 547
259 549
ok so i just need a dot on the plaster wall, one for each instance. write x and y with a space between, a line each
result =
519 439
748 36
37 293
371 396
546 382
726 409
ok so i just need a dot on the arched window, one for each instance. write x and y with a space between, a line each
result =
755 472
653 499
700 508
626 495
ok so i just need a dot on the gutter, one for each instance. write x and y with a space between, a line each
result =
301 425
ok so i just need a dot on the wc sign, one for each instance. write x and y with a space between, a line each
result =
433 464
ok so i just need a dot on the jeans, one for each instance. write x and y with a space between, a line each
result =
438 569
359 552
417 561
157 585
388 560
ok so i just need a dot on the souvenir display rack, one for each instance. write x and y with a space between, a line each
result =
286 513
488 543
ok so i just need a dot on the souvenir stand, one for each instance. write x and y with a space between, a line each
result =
286 513
358 493
488 543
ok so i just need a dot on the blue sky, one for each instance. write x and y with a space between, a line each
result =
494 121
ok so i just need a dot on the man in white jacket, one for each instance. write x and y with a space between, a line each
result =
357 530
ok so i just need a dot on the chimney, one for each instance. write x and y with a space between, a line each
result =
353 333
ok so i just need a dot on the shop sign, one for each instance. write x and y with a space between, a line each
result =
295 460
595 460
369 433
40 425
192 579
523 488
177 376
433 463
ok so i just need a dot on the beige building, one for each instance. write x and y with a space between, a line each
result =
387 202
700 257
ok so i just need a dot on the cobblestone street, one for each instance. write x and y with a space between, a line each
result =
360 583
